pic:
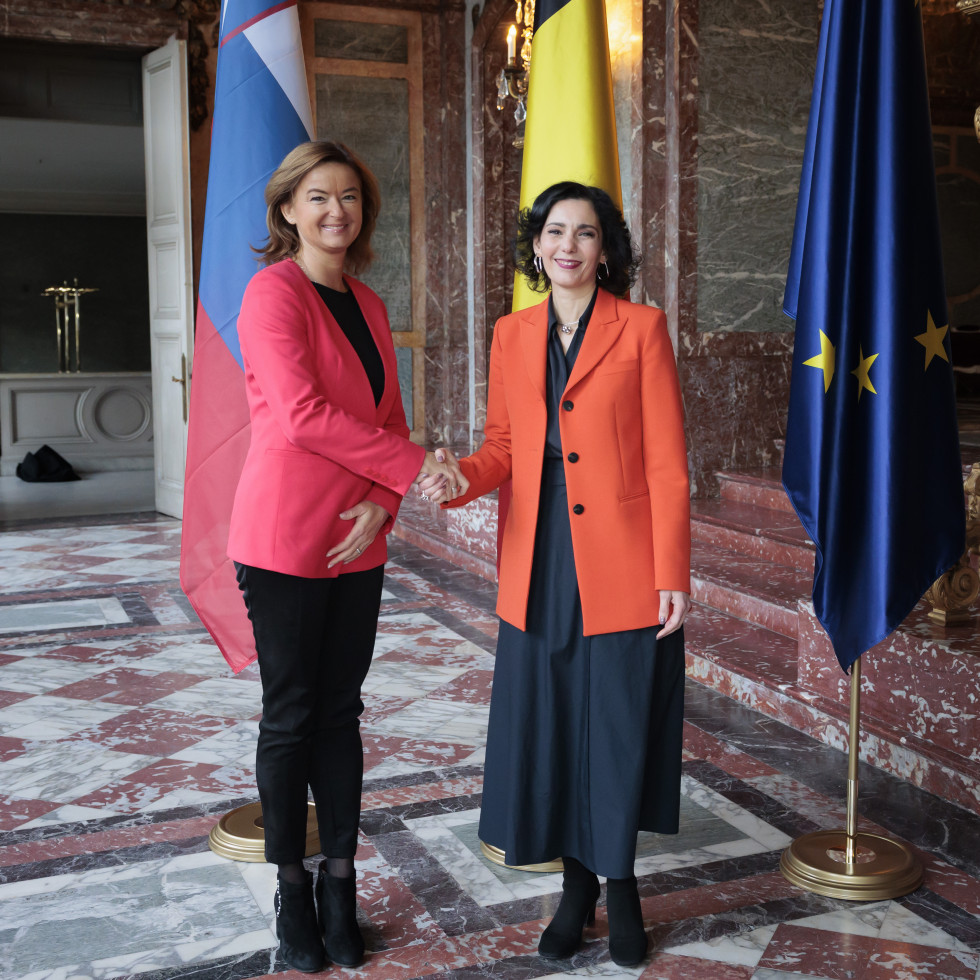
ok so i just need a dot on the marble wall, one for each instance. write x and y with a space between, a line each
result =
736 104
755 79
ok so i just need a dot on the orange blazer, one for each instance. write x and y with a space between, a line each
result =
622 431
319 444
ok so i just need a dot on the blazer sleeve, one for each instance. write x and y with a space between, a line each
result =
272 328
665 458
490 465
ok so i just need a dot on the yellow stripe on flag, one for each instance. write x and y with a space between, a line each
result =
570 132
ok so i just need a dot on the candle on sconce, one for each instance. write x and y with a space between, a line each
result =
511 44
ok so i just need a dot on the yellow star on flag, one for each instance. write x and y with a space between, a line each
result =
826 360
862 372
932 340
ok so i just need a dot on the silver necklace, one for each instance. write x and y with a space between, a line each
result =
309 275
567 328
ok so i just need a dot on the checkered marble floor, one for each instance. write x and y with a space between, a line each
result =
123 738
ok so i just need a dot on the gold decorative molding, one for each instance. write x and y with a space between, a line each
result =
954 593
969 7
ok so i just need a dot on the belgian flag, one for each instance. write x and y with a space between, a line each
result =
570 132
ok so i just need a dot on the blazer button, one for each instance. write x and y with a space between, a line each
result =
578 509
573 457
568 404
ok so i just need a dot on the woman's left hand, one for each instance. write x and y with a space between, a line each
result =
674 607
368 518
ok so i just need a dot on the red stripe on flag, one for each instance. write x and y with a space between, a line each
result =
256 19
216 448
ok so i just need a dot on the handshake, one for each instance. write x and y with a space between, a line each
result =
440 477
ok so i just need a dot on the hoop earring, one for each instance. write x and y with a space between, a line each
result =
538 264
605 265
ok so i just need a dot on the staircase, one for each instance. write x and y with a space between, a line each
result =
753 636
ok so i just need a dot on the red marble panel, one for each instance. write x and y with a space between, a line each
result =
903 961
668 966
14 812
153 731
12 697
418 752
144 835
520 939
11 747
400 796
473 687
146 786
819 953
397 916
126 686
378 706
717 897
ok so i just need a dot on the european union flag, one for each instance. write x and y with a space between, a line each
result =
872 461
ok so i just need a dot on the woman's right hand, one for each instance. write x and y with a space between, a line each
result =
440 477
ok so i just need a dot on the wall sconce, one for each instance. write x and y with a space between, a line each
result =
512 80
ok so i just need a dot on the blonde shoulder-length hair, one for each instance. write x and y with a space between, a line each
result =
283 238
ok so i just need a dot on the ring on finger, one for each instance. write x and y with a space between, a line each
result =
358 550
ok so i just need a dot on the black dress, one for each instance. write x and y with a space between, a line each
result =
585 733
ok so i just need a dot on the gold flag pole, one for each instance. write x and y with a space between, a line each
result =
847 864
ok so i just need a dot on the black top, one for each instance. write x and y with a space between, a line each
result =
348 315
560 364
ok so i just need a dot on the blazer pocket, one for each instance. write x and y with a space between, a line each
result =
292 454
626 498
617 367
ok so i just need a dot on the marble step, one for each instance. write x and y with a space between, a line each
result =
752 589
758 532
731 647
761 488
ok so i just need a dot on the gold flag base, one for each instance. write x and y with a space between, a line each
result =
881 868
497 856
240 835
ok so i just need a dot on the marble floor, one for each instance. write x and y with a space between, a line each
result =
123 738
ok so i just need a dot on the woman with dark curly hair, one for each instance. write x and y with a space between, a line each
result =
584 415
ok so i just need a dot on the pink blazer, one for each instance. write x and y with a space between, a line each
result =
319 444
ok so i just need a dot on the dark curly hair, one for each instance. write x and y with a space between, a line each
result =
621 259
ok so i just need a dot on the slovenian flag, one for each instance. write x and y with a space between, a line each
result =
261 111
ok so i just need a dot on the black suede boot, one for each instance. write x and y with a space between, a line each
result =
296 927
580 890
627 938
336 900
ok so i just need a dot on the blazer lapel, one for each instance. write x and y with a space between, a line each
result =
603 329
534 341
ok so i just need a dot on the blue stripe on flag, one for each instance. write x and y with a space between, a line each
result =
255 126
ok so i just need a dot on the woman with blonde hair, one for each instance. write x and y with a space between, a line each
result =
328 464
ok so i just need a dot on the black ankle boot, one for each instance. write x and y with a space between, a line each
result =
296 927
336 900
579 892
627 939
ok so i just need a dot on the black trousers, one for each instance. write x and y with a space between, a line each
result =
315 638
